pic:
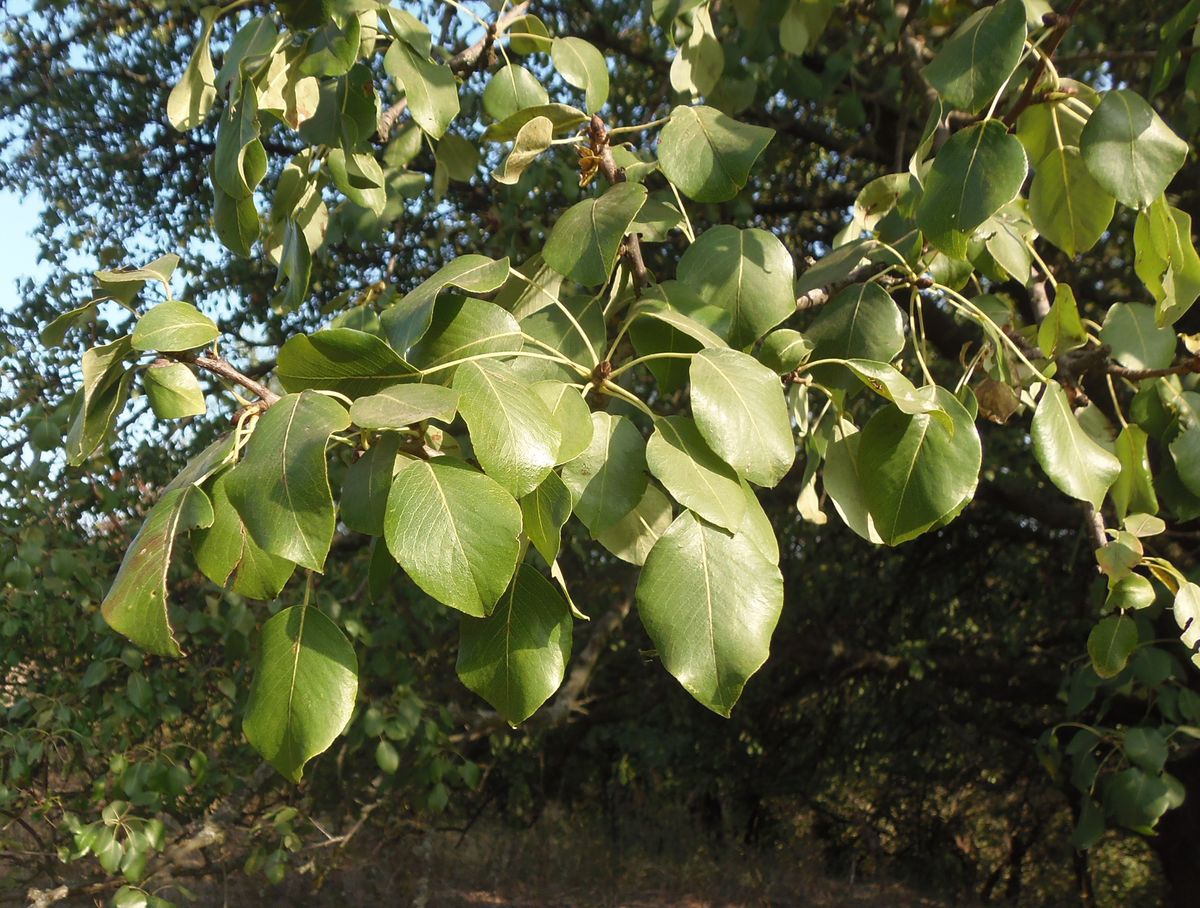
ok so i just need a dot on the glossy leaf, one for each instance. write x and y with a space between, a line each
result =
401 406
174 326
583 66
1073 461
914 471
345 360
406 322
531 140
633 536
228 557
608 479
1062 328
281 486
1129 150
1136 340
981 55
1067 206
455 532
860 322
1111 643
698 479
367 483
708 155
583 243
570 414
174 391
513 434
463 327
748 273
302 695
709 601
192 98
136 604
545 510
740 410
511 89
563 117
516 657
976 173
431 89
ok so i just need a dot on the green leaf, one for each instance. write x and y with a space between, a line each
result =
174 326
331 50
136 604
204 464
698 64
512 432
455 532
235 221
431 89
406 322
192 98
515 658
345 360
1136 339
1075 463
891 385
740 410
1185 452
564 328
564 117
748 273
1146 747
408 28
707 155
914 472
582 65
784 350
860 322
228 557
1111 643
1062 328
240 161
977 172
1133 490
545 511
462 327
531 140
845 487
633 536
1137 800
584 242
303 691
250 47
401 406
367 483
527 25
1133 591
569 412
1129 150
512 89
1067 206
1166 261
980 57
174 391
675 305
55 331
359 177
281 486
302 14
709 601
102 396
698 479
608 479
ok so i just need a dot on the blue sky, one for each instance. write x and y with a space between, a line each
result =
18 258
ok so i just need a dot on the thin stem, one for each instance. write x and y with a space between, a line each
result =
622 130
566 361
916 317
470 359
648 358
688 231
1041 263
1112 392
960 302
614 390
587 341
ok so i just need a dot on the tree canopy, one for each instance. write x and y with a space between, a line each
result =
458 333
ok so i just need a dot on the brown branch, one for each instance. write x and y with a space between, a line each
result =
1062 23
388 119
598 135
220 366
479 55
1184 368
